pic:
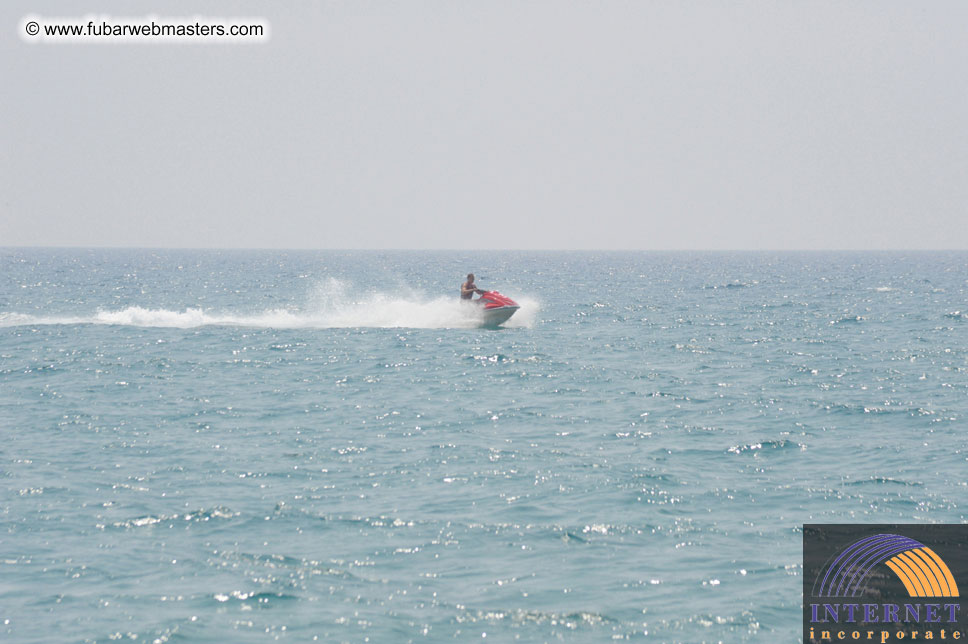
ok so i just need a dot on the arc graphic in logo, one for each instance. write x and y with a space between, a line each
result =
922 572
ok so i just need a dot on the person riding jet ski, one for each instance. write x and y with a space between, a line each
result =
468 288
497 308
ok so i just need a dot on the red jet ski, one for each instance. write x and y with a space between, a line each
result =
497 308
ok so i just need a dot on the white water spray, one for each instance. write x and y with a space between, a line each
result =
332 305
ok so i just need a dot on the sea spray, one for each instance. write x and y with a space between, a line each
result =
331 304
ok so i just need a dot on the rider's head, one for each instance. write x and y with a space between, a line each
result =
470 277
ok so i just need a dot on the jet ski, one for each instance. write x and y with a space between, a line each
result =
497 308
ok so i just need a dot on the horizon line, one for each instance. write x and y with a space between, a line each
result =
514 250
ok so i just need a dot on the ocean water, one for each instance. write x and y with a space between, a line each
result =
244 446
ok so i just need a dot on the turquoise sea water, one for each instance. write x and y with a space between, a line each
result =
214 446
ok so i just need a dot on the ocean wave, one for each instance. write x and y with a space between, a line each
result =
847 408
780 444
849 319
733 284
217 512
884 480
297 565
520 617
254 597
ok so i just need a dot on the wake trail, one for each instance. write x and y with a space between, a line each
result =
332 308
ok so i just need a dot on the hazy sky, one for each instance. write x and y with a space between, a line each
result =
447 124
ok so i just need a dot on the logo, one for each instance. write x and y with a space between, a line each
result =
884 583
